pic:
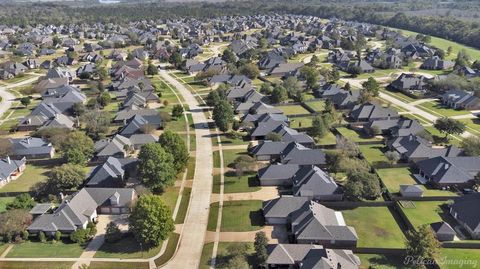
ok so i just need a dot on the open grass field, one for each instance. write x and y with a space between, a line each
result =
32 175
38 265
126 248
374 154
245 183
328 139
45 250
242 216
425 212
356 136
301 122
293 110
318 106
381 261
451 258
375 226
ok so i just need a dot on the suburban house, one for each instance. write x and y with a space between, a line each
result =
443 171
413 148
296 153
76 212
458 99
369 112
11 169
31 148
436 63
394 127
316 184
410 83
277 174
310 256
285 69
465 210
113 173
268 150
141 124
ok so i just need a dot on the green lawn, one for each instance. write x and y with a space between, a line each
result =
301 122
318 106
245 183
169 197
212 217
118 265
228 140
381 261
222 254
374 154
425 212
230 155
355 136
44 250
182 210
4 201
440 110
126 248
293 110
242 216
375 226
473 125
32 175
328 139
170 250
38 265
451 258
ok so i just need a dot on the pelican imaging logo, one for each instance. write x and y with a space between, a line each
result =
459 263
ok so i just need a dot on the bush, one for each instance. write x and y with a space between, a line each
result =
80 236
25 235
58 235
113 233
42 237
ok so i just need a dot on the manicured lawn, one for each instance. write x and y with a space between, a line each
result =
212 217
118 265
399 95
242 216
374 154
228 140
223 254
38 265
355 136
439 110
318 106
381 261
230 155
473 125
394 177
245 183
126 248
4 201
178 125
425 212
32 175
170 250
375 226
169 197
453 257
293 110
328 139
301 122
182 210
45 250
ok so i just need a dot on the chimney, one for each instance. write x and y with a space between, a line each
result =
447 166
8 160
62 196
28 140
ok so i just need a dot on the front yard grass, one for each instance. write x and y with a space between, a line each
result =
381 261
293 110
222 254
169 197
38 265
242 216
245 183
45 250
375 226
126 248
473 125
170 250
230 155
426 212
356 136
33 174
440 110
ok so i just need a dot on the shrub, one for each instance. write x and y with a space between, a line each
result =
58 235
42 237
113 233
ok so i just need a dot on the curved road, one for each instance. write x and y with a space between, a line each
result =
195 226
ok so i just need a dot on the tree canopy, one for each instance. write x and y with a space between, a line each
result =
156 166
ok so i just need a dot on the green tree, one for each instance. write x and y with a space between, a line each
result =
371 86
58 235
311 76
223 115
25 101
471 145
266 88
362 185
279 94
151 220
152 69
177 111
260 244
22 201
228 56
422 245
156 166
174 144
104 99
176 59
318 128
112 233
449 126
66 177
250 70
77 148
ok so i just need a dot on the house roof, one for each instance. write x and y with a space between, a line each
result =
278 171
30 146
312 181
8 166
466 207
442 228
451 170
413 146
268 148
371 112
295 153
283 206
